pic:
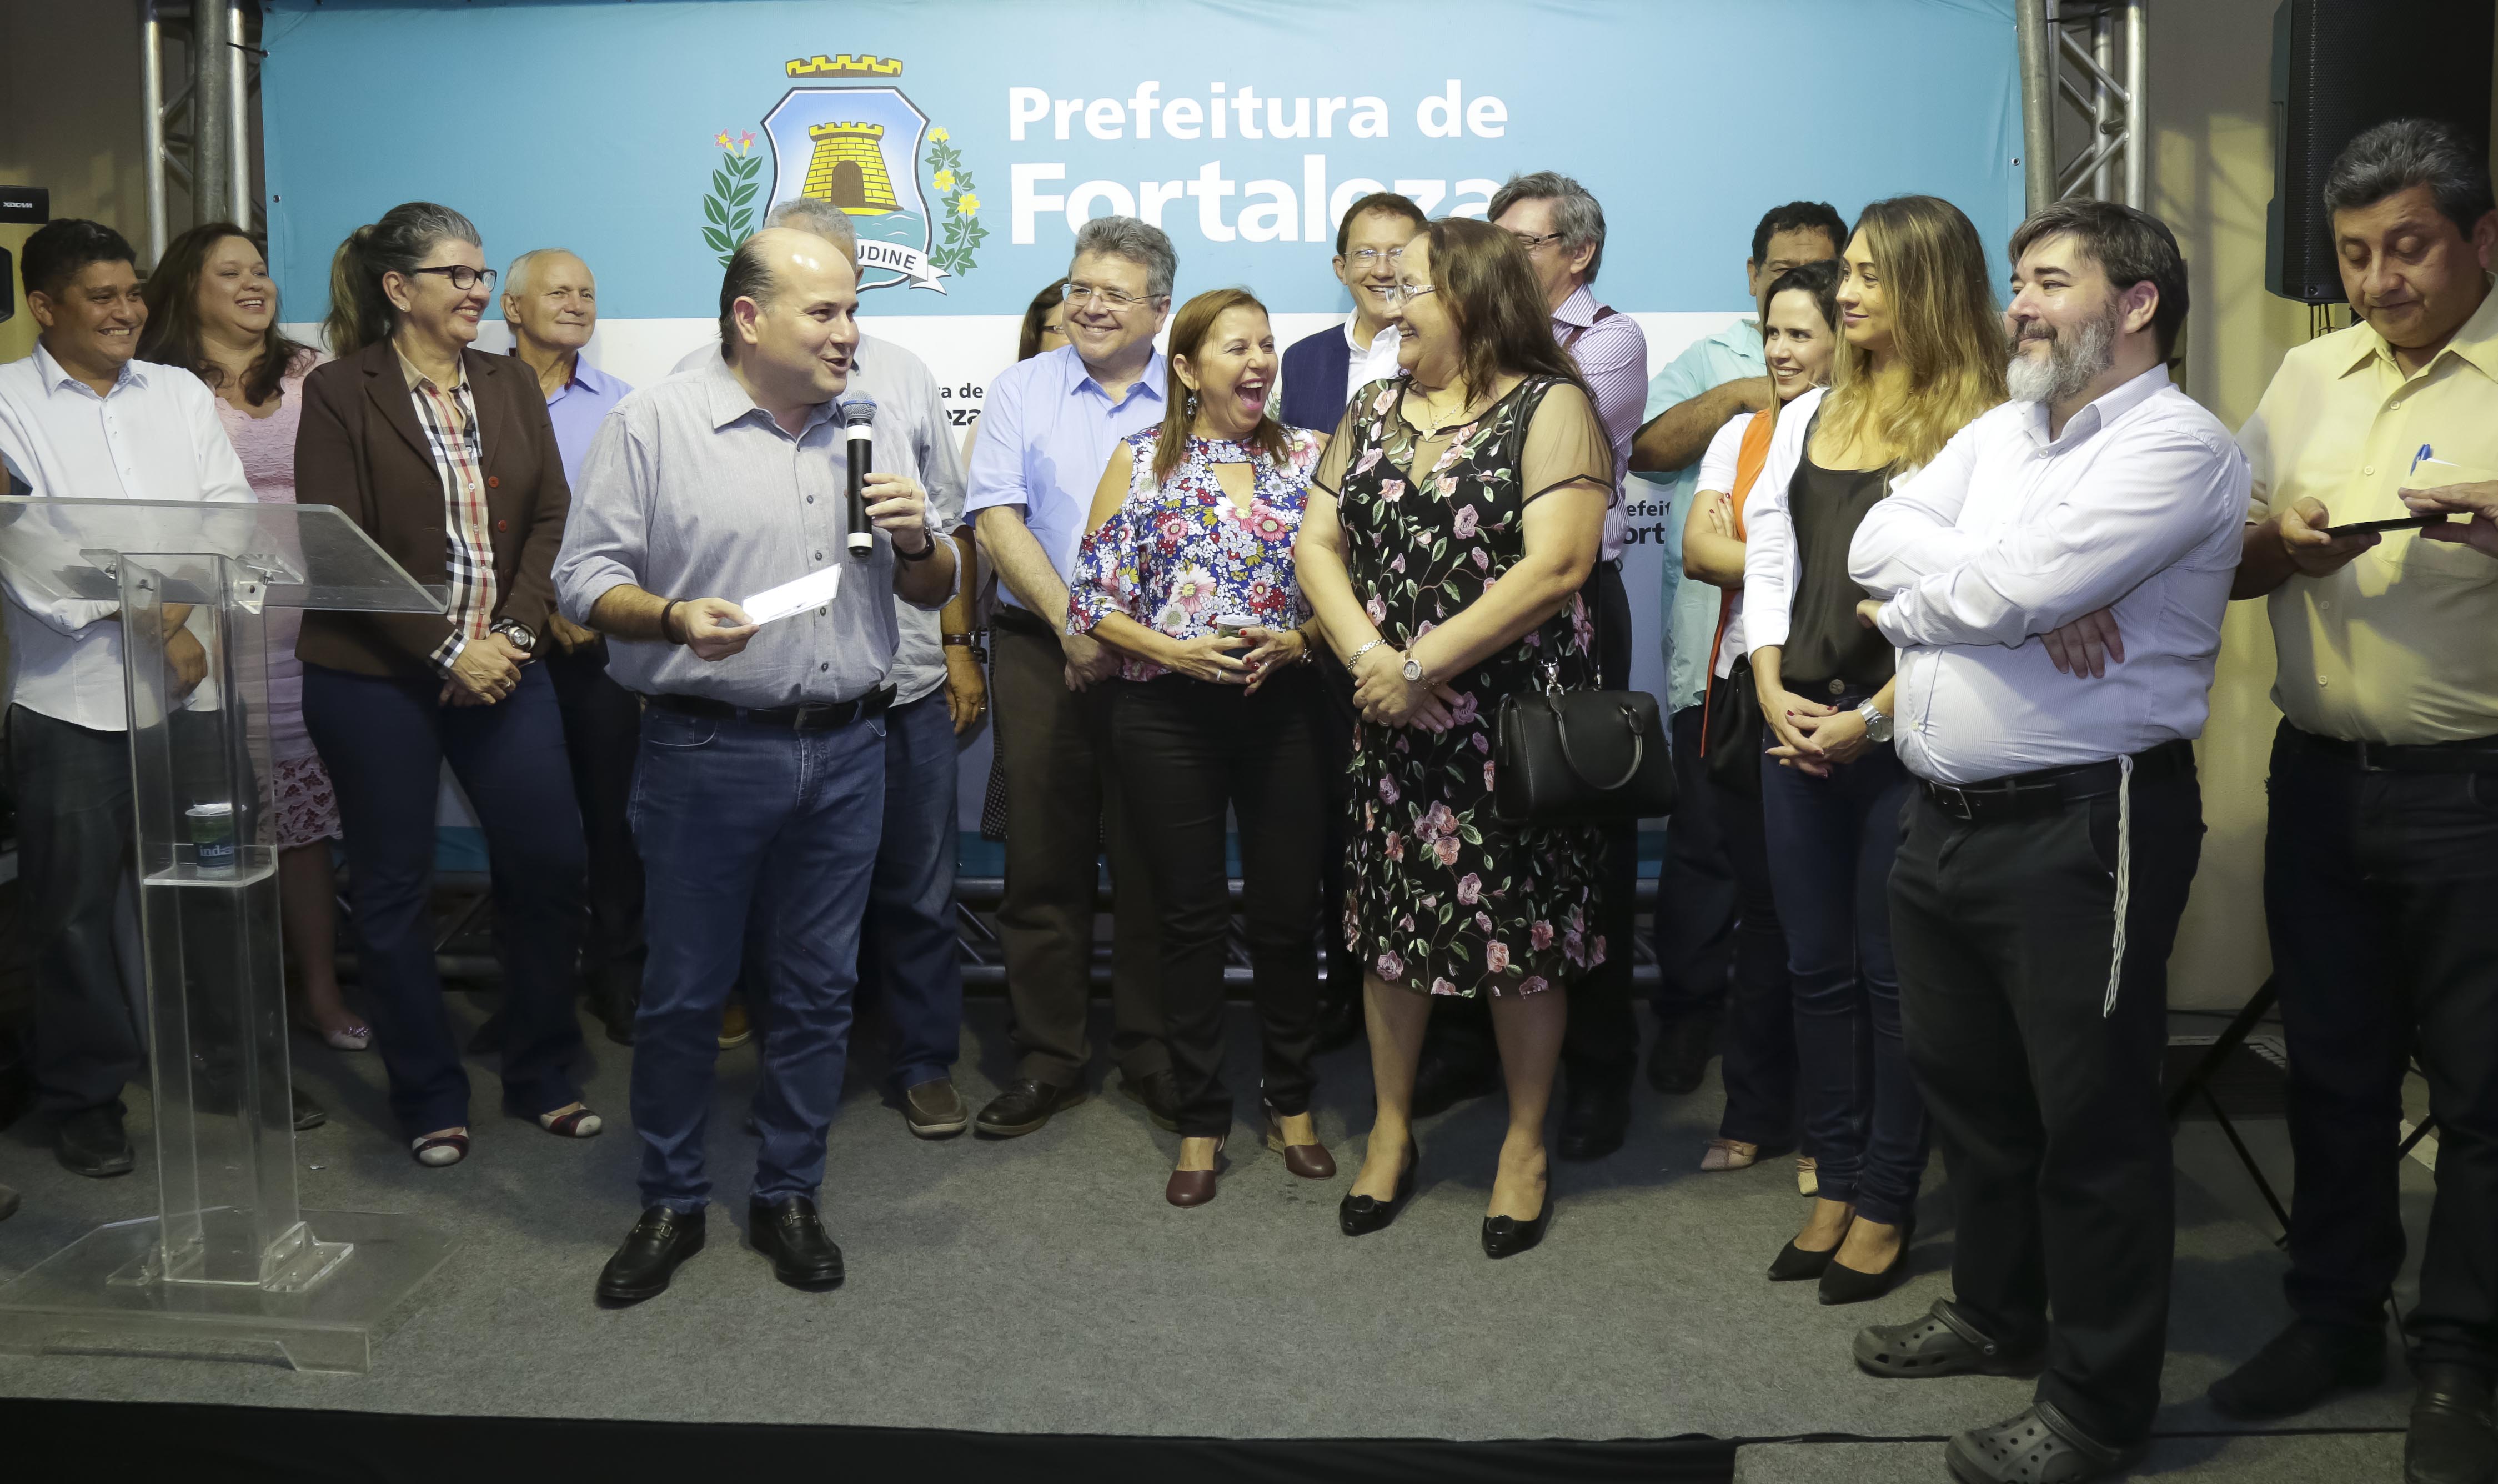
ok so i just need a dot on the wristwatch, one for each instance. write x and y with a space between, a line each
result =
969 642
518 634
1413 675
1877 723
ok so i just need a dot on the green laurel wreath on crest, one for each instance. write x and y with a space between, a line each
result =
729 207
962 234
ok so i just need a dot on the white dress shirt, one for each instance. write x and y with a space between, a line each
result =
1376 364
2009 534
1772 563
156 436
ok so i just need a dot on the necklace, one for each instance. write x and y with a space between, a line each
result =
1432 411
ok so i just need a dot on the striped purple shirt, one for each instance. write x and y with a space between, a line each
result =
1612 354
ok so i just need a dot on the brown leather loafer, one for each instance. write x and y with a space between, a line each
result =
1309 1161
1193 1188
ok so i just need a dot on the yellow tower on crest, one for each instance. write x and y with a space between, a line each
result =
847 169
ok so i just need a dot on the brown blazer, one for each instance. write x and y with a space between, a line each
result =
361 449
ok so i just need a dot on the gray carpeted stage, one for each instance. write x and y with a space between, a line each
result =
1041 1285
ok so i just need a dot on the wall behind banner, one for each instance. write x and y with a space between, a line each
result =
646 137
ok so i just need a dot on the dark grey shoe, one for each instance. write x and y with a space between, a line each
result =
1158 1094
308 1114
93 1143
2040 1446
7 1202
2300 1367
934 1110
2454 1439
1941 1343
1023 1107
1685 1043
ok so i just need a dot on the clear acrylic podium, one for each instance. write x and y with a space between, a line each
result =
230 1265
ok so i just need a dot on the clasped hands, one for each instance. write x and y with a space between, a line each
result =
1384 697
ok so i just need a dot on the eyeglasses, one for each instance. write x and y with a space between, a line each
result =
464 278
1365 257
1078 295
1405 293
1530 241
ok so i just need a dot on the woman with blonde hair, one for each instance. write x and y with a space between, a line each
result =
1187 571
1921 353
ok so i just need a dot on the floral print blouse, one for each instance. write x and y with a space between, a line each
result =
1180 553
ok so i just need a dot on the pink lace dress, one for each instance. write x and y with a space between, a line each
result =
305 809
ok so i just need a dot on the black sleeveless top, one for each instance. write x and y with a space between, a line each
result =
1825 642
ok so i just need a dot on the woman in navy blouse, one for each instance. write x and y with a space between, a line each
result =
1187 571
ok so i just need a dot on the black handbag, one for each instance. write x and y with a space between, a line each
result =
1579 758
1732 748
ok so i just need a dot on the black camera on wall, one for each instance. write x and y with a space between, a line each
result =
25 205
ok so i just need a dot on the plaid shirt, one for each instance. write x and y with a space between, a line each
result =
450 421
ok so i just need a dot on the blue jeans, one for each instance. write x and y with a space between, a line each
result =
721 806
907 950
1830 842
384 740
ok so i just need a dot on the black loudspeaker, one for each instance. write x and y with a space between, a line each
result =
2338 67
27 206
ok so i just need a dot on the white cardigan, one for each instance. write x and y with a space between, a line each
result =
1772 563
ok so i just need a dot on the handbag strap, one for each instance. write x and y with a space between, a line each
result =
1561 730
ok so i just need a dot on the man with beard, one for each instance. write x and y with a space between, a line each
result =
2054 581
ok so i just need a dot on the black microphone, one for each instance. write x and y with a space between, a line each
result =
857 414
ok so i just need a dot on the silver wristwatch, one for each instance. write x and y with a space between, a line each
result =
1877 723
1413 675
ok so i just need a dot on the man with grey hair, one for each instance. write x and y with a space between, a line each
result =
551 306
2382 853
908 956
1563 230
1046 434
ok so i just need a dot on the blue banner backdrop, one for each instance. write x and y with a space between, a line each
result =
970 138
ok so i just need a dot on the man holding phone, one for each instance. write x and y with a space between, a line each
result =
2382 856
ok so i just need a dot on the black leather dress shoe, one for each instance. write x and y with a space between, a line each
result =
1158 1094
488 1037
2453 1440
641 1268
1942 1343
92 1142
2300 1367
1445 1078
1339 1024
1023 1107
308 1114
1680 1060
788 1232
615 997
1595 1116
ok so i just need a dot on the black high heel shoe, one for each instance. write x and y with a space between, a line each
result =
1795 1265
1359 1215
1507 1236
1843 1284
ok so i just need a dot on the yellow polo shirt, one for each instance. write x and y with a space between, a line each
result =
2401 645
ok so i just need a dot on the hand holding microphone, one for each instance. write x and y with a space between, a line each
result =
888 502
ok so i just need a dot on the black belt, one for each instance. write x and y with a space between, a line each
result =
2473 754
1021 620
820 715
2025 796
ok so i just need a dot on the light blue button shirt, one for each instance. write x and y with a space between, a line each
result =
1690 608
1046 431
577 408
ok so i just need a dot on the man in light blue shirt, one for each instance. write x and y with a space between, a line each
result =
551 305
1046 434
1718 378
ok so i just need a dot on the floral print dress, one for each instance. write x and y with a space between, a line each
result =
1179 554
1442 897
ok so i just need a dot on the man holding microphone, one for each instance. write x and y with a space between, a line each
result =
762 765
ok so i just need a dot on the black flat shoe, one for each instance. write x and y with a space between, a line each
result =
1843 1284
1794 1265
788 1232
93 1144
2300 1367
1444 1078
308 1114
1158 1094
1595 1116
1507 1236
641 1268
1023 1107
2454 1439
1359 1215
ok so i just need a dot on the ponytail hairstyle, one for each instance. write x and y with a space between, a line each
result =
359 312
1189 330
1946 331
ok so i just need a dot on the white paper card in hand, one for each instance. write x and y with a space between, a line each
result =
813 590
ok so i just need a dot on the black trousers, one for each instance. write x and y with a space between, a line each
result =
2378 889
1189 751
1335 720
1063 809
1696 886
2048 1106
602 734
74 841
1759 1069
1602 1042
